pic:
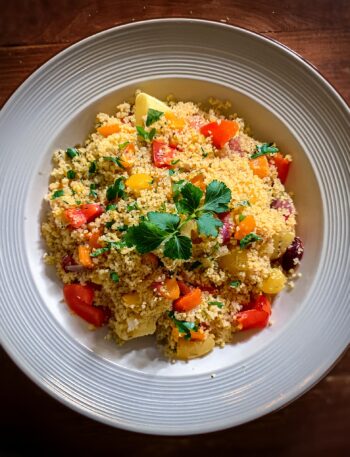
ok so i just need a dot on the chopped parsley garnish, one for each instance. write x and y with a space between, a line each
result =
92 167
114 276
250 238
147 136
174 162
123 145
241 217
163 228
153 115
116 190
115 160
183 326
57 193
264 149
122 228
171 172
109 224
216 303
111 207
236 283
132 207
204 154
78 202
99 251
70 174
110 245
93 192
72 152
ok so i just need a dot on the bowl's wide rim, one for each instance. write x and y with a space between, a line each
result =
316 376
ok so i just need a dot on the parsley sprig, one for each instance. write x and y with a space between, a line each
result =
160 228
147 136
153 116
264 149
183 326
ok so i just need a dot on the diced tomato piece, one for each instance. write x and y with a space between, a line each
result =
282 165
188 301
262 303
252 318
221 132
184 288
80 299
162 154
82 214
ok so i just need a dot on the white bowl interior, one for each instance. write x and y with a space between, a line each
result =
142 354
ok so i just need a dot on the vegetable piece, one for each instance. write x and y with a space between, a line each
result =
227 227
153 115
246 226
77 216
84 256
71 174
68 261
57 194
293 254
147 136
114 276
107 130
285 206
172 290
93 239
177 123
116 190
221 132
262 303
163 154
198 335
132 298
264 149
72 152
139 181
198 181
184 288
236 283
151 260
144 102
80 299
250 238
186 349
260 166
274 283
216 303
251 319
188 301
282 165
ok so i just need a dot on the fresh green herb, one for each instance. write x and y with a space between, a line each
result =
216 303
208 224
174 162
111 207
78 202
147 136
241 217
153 116
163 207
70 174
177 187
243 203
183 326
217 197
171 172
191 197
145 236
132 207
236 283
116 190
263 149
109 224
93 192
122 228
114 276
72 152
204 154
178 247
115 160
92 167
57 193
122 146
192 266
99 251
250 238
167 222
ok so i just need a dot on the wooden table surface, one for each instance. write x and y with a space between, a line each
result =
31 422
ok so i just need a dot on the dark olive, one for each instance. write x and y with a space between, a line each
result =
293 254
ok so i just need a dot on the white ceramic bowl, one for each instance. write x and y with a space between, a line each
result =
284 100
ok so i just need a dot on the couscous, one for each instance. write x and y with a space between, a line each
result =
171 220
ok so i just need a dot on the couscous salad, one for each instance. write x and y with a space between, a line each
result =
174 221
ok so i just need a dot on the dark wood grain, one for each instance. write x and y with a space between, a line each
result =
31 422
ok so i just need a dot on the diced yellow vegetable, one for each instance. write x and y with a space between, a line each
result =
132 298
281 241
187 349
139 181
275 282
177 123
235 261
143 103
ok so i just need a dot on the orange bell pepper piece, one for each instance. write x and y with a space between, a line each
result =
172 289
282 165
188 301
245 227
84 256
107 130
198 181
260 166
